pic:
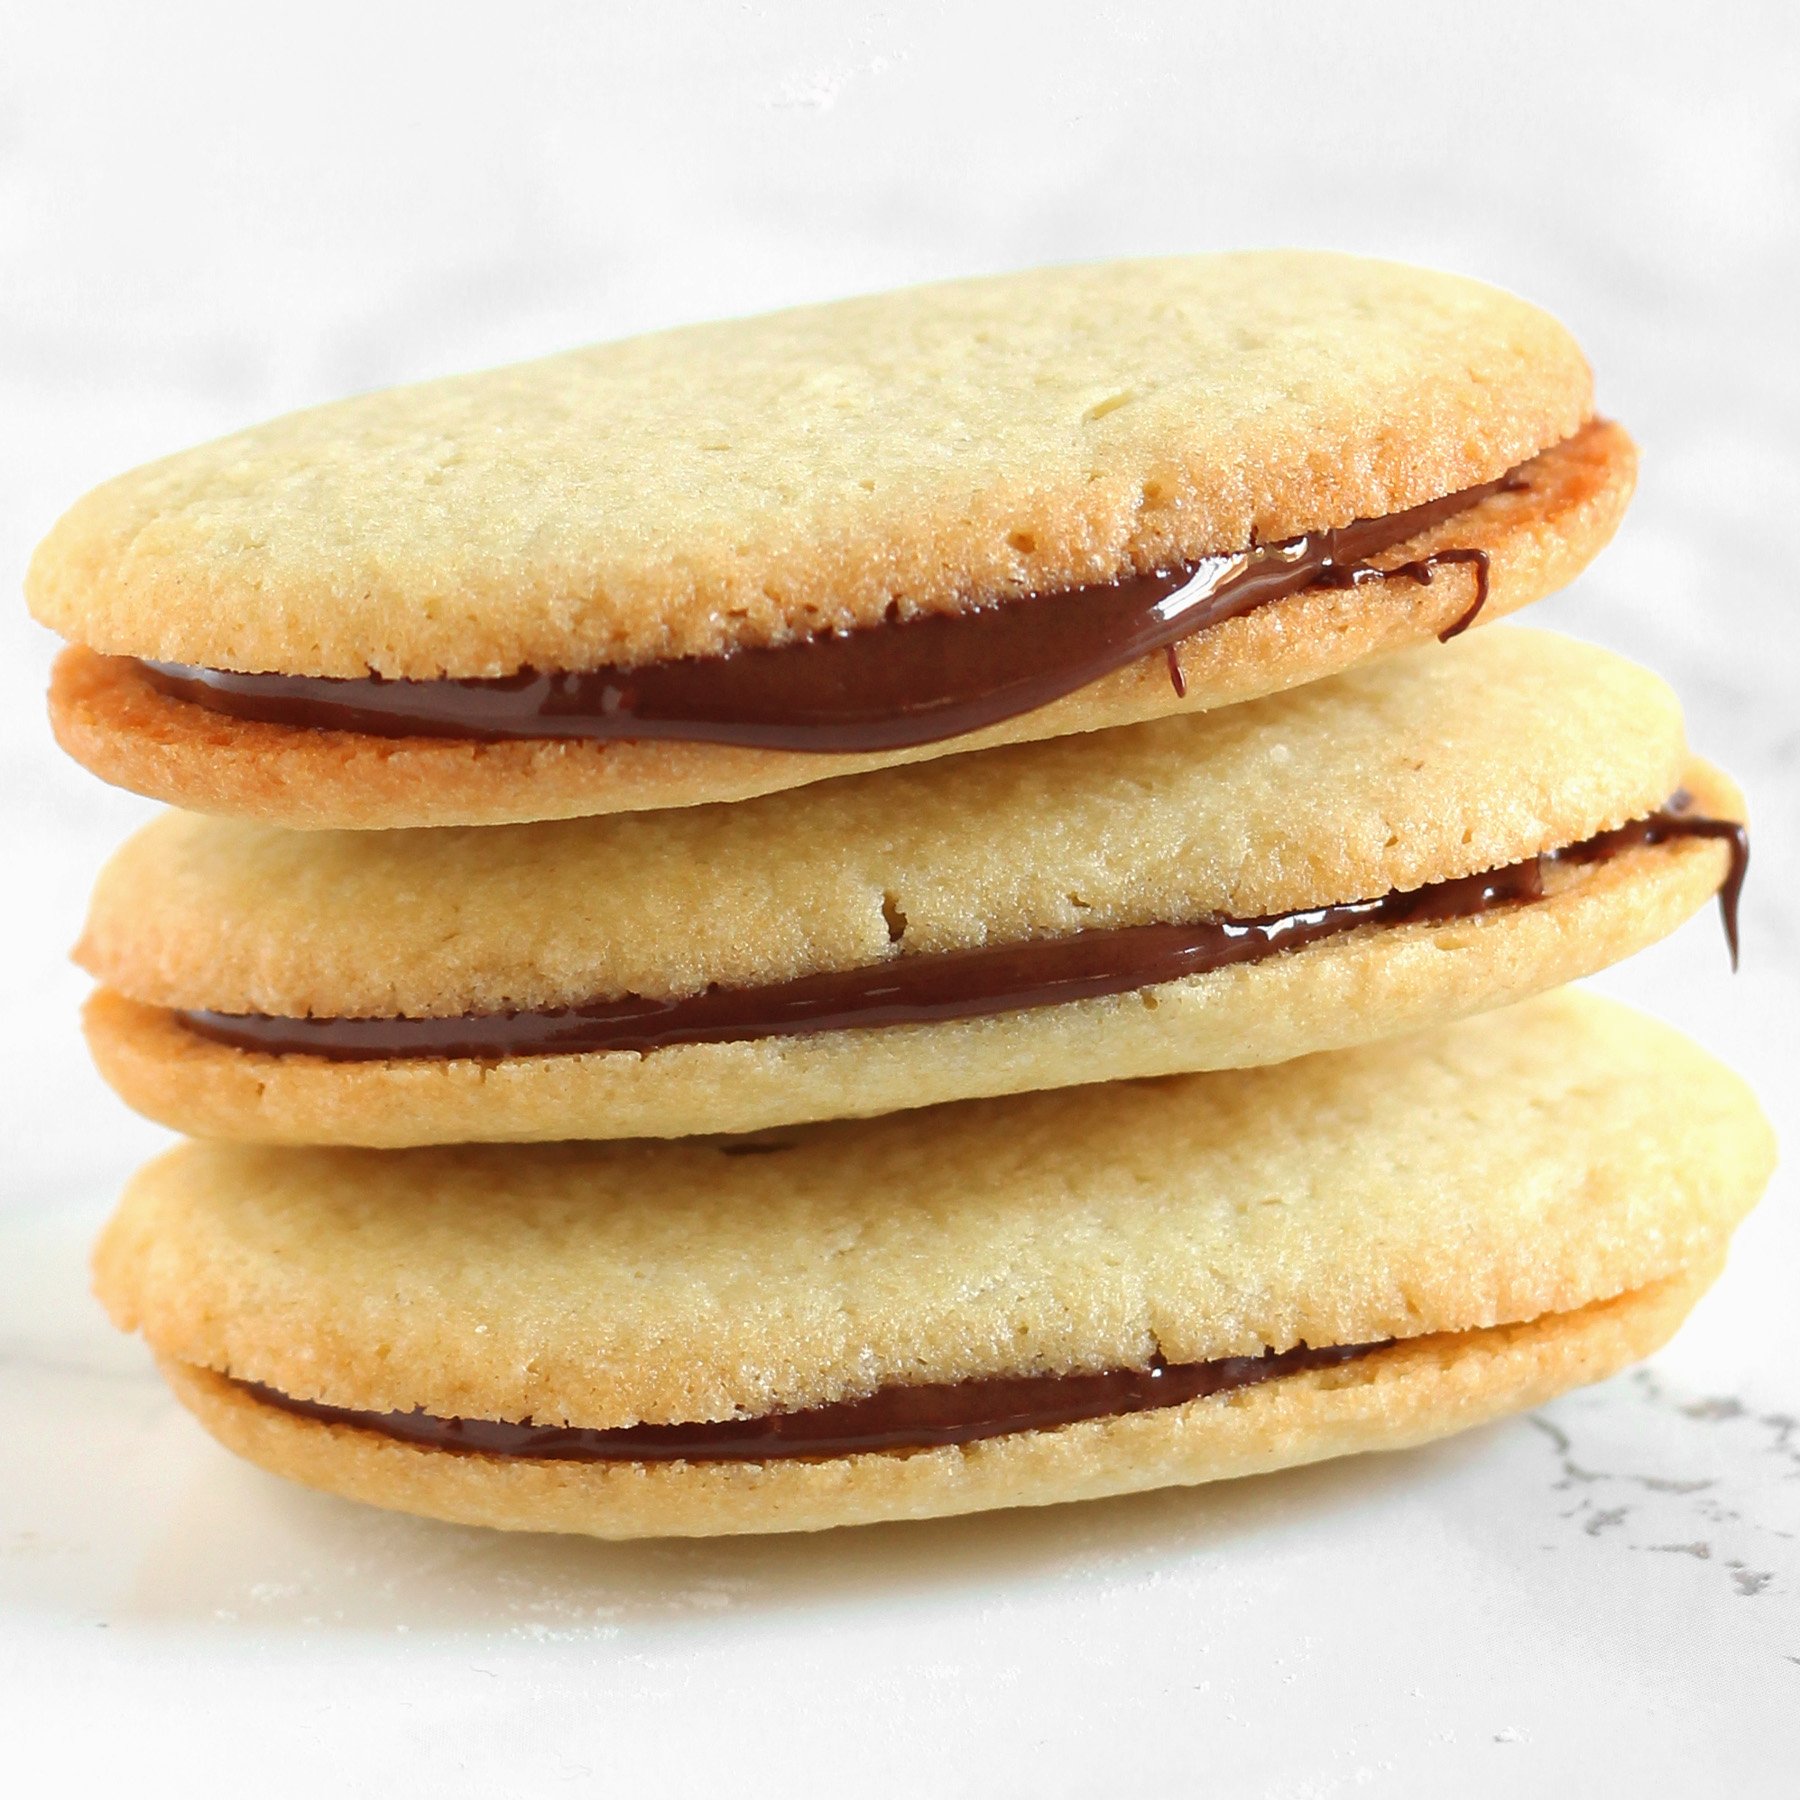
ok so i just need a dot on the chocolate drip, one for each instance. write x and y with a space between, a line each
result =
908 990
885 687
1674 821
921 1416
1422 571
951 984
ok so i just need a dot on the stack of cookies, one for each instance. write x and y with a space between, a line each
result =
939 902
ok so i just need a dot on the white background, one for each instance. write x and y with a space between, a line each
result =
211 214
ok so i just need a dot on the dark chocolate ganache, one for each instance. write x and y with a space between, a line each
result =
950 984
921 1416
908 681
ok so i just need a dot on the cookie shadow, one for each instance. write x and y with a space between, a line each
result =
243 1548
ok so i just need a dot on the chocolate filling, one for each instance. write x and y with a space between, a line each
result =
1663 827
951 984
886 687
921 1416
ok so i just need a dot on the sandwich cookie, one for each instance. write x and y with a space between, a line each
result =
1418 839
730 559
1041 1298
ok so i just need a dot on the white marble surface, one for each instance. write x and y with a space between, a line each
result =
210 214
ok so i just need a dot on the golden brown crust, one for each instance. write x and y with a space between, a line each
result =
1420 1390
1373 984
109 717
1531 1161
738 483
1431 765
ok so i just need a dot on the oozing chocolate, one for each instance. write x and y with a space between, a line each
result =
922 1416
1675 821
886 687
953 984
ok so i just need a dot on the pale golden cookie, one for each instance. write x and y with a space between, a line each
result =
763 480
722 485
1551 1185
1425 768
108 716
